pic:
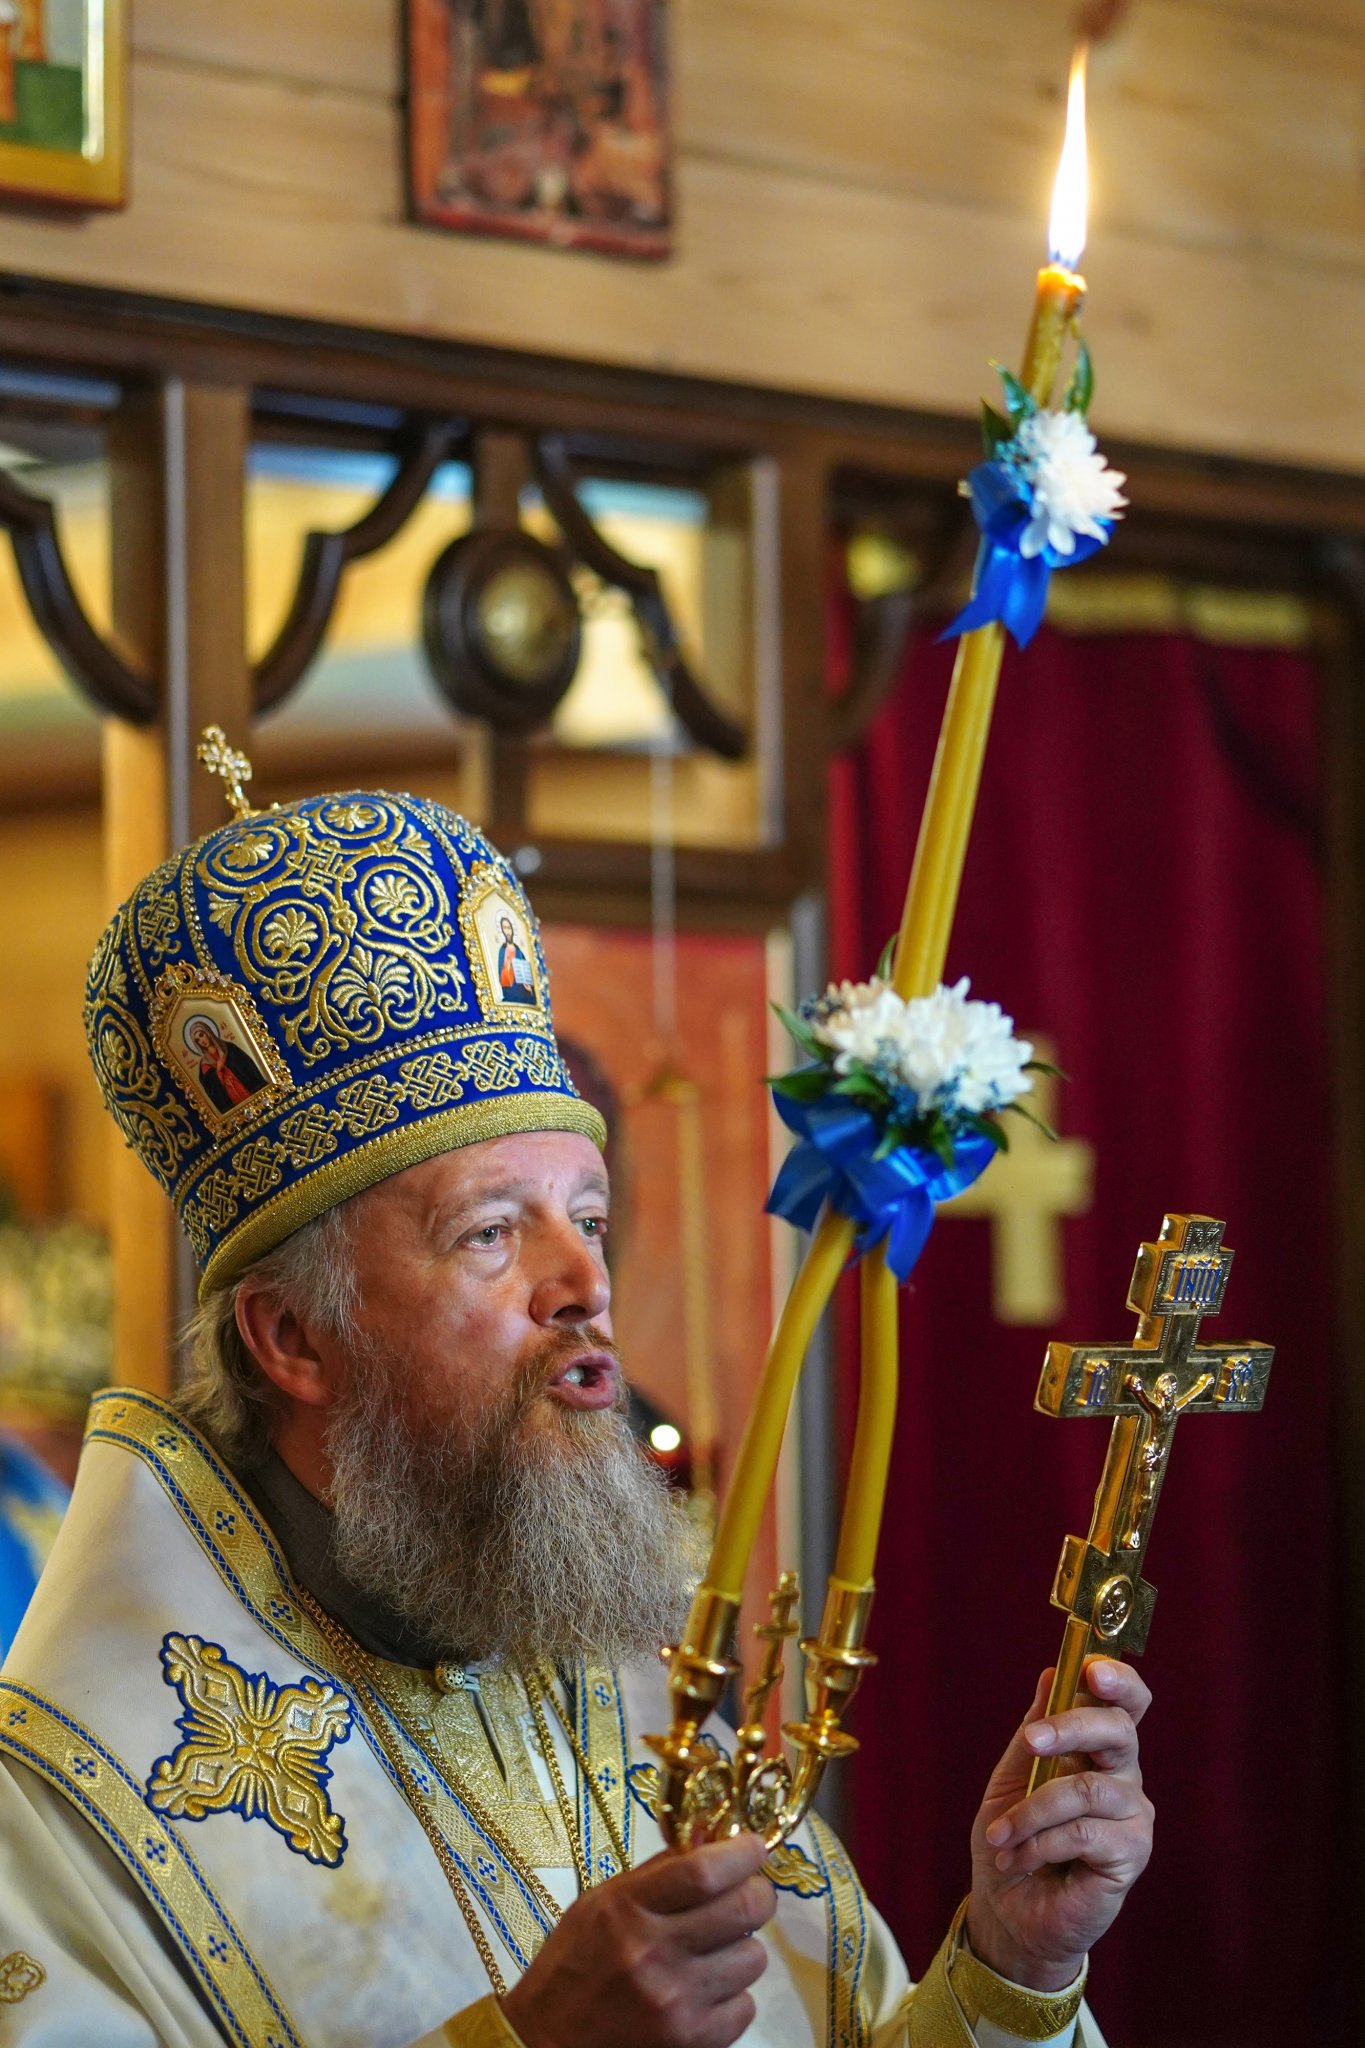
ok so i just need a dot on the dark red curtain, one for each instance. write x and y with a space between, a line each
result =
1145 886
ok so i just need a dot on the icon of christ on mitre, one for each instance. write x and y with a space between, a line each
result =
327 1722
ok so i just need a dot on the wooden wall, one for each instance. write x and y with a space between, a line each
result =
862 186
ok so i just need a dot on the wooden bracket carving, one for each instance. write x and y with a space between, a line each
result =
96 667
327 556
708 724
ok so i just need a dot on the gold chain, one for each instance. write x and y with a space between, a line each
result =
359 1668
566 1813
353 1660
537 1692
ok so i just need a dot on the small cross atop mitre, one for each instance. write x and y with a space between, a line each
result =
229 762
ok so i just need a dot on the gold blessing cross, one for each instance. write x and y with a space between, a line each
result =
1146 1387
234 767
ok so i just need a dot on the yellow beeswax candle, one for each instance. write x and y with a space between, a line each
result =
941 853
930 905
762 1440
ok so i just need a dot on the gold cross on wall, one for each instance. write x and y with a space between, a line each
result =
1027 1192
1145 1386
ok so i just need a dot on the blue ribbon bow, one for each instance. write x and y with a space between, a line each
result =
1007 586
891 1198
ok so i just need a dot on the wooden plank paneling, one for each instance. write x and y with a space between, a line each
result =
1213 122
344 45
1205 129
861 204
1339 18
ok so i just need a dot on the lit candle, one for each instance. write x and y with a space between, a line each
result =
930 904
941 852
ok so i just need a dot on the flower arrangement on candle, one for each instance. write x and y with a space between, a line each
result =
1044 499
899 1107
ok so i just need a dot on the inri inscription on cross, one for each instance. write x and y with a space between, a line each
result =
1145 1387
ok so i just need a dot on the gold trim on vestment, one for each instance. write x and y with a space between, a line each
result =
983 1995
849 2020
244 1553
20 1976
34 1731
604 1740
322 1187
488 1746
484 2025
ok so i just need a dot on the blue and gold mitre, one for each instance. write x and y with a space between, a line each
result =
312 998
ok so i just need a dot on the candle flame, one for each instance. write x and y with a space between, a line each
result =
1066 229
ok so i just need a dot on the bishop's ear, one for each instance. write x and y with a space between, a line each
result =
282 1347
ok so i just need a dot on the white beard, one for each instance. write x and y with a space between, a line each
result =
541 1545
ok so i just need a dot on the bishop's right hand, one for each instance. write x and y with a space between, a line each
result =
659 1957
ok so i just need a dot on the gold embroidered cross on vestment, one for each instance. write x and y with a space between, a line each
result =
252 1748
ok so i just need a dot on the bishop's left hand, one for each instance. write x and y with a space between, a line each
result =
1050 1872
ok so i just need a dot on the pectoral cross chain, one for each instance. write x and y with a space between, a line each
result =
1145 1387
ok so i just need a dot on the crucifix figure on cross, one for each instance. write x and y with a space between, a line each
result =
1145 1387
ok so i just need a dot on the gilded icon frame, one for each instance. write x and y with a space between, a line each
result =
180 993
487 887
95 173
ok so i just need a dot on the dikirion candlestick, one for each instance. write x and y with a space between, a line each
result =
701 1795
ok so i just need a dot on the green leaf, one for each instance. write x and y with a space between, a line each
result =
1081 389
804 1084
1046 1067
802 1033
987 1127
886 959
1022 404
1019 1110
937 1137
860 1088
995 429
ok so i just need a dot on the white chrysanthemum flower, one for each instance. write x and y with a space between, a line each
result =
951 1052
989 1059
857 1019
1073 487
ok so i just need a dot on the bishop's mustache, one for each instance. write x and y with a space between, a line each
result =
560 1349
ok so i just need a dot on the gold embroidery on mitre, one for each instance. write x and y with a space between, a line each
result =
19 1975
212 1039
131 1079
252 1747
338 919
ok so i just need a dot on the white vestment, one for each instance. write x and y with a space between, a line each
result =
202 1840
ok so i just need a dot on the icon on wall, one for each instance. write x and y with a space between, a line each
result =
63 100
546 120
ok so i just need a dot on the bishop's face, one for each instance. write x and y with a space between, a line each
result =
484 1268
484 1485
